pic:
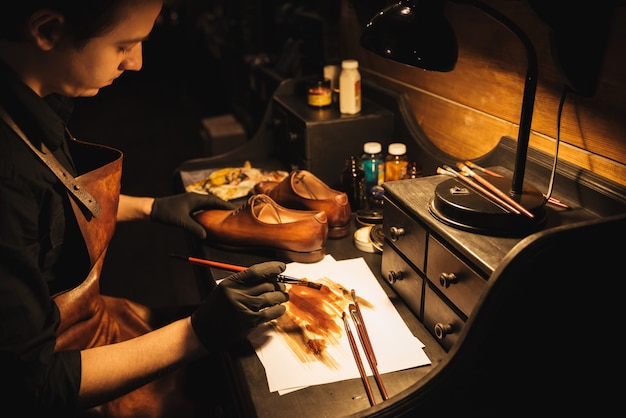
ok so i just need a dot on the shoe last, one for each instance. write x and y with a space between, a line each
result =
263 224
303 190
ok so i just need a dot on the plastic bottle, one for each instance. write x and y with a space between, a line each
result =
396 162
373 165
349 87
352 179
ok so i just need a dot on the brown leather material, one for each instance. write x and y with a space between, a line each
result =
104 184
84 322
89 319
303 190
83 316
261 223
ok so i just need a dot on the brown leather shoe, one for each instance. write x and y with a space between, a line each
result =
303 190
260 223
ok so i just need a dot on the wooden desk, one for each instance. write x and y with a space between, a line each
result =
530 338
537 332
250 396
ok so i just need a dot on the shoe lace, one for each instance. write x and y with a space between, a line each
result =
300 180
262 212
241 207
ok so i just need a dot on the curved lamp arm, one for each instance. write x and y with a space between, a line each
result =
528 100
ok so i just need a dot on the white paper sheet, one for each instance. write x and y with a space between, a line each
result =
394 345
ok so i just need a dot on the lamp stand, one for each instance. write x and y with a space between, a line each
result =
394 33
472 211
460 206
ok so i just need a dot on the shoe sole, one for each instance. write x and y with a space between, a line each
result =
282 254
338 231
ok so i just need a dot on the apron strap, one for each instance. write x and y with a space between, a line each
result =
72 185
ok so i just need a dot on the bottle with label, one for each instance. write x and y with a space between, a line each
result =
396 162
350 88
319 93
373 165
352 179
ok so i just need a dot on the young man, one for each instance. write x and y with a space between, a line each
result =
64 348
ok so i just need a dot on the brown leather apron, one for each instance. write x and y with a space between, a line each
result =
89 319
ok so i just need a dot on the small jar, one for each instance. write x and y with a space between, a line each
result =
373 164
319 93
396 162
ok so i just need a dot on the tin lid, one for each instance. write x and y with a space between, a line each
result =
362 239
377 237
366 217
397 148
349 64
319 82
372 147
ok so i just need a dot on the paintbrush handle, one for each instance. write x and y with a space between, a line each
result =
357 359
231 267
365 333
367 347
484 170
486 193
216 264
503 195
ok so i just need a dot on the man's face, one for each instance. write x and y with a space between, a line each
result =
83 72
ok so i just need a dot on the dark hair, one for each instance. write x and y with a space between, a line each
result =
84 19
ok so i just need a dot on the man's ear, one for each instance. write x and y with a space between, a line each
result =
46 28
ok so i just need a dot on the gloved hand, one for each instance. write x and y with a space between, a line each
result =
238 304
177 210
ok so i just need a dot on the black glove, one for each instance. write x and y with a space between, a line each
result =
177 210
238 304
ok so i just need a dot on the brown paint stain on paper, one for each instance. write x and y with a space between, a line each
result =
313 321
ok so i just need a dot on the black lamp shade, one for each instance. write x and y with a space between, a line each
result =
415 33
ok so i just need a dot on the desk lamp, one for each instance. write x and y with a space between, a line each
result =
416 33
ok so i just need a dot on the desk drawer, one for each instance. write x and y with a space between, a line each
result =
459 283
404 280
408 236
439 318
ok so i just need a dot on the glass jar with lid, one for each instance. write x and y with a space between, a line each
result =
396 162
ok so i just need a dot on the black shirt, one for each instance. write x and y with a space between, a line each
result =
41 252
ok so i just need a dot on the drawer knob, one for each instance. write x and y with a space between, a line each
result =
292 136
446 279
394 276
441 330
396 232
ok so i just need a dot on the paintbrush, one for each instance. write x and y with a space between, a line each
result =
357 359
367 347
231 267
495 190
484 170
447 170
367 341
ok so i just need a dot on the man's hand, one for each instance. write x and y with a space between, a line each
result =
238 304
177 210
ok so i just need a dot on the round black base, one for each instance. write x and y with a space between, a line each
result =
458 205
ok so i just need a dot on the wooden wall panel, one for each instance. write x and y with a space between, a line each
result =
466 111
